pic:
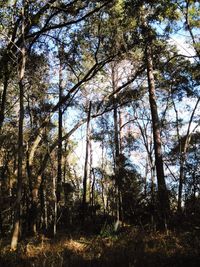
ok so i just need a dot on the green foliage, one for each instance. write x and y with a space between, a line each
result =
107 230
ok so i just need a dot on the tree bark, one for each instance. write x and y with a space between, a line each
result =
91 175
17 226
59 155
33 210
116 142
163 197
86 161
55 207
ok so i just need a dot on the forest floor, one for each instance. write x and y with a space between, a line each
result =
132 247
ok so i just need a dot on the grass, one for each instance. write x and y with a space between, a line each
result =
132 248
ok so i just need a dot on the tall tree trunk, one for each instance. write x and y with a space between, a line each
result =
16 229
59 155
183 151
116 142
163 197
181 161
86 160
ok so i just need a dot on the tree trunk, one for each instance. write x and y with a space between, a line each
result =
116 143
183 151
16 229
163 197
150 162
91 175
65 163
55 207
86 160
3 99
59 155
180 188
44 206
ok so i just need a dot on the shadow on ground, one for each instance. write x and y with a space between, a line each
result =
131 249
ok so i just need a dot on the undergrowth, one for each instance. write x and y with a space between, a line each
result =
131 247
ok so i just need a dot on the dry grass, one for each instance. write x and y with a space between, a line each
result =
130 248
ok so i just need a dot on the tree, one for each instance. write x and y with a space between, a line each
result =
85 176
105 68
190 13
17 220
162 189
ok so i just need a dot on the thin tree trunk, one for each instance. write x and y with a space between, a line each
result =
102 182
183 151
55 207
16 229
91 175
116 143
59 155
163 197
181 161
120 133
180 187
92 196
33 211
147 144
145 178
86 161
65 163
4 94
45 210
43 203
